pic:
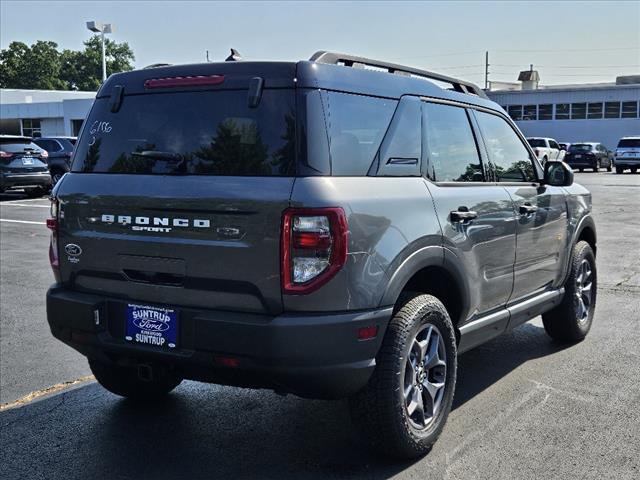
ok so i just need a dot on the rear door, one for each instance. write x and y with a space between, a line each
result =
476 215
541 210
176 199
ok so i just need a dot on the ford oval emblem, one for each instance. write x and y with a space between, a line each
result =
73 250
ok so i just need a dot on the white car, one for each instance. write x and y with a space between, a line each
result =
628 154
546 149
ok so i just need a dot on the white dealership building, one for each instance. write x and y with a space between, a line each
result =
600 112
43 112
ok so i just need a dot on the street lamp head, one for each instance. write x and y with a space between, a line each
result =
96 26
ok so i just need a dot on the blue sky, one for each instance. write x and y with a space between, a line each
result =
568 42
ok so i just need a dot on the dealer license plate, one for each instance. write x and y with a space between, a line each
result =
153 326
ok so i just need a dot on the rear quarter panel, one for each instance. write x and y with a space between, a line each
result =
388 219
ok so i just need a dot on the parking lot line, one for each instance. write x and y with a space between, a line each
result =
21 221
11 204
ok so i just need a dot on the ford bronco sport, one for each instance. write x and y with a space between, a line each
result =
332 228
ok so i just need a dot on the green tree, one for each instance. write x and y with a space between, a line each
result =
37 66
82 70
43 66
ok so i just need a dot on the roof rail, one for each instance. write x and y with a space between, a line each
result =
334 58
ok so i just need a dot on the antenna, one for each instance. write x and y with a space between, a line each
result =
208 57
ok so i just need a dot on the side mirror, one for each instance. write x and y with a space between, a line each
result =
558 174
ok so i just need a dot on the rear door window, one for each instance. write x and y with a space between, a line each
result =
451 148
508 154
18 146
198 133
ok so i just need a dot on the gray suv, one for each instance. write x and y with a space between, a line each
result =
332 228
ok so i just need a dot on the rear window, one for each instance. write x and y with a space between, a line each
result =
199 133
536 142
629 143
579 147
17 145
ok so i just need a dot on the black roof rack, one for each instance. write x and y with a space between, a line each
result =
352 60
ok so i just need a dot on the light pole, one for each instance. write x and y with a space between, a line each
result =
101 28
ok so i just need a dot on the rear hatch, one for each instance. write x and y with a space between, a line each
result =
177 189
21 155
628 148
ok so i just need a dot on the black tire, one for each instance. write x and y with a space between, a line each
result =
596 166
619 170
634 169
380 409
581 169
566 322
124 381
610 167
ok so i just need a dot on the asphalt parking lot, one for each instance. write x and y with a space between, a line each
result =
524 406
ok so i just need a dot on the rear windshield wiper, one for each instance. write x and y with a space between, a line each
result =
158 155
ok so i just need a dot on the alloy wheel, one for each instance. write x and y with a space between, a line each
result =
425 376
584 282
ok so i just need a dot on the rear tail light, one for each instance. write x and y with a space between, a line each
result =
52 224
537 152
314 248
44 154
5 154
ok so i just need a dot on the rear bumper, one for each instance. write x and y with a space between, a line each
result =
581 163
311 355
627 162
19 180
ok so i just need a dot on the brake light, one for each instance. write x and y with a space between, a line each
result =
314 247
52 224
44 154
5 154
195 81
537 152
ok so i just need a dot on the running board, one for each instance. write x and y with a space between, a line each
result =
490 326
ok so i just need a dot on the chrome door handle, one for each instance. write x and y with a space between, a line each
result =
462 215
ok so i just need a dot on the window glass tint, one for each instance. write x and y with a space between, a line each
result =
562 111
553 144
356 125
506 151
629 143
515 112
204 133
629 109
545 112
612 110
530 112
536 142
594 110
451 147
17 146
578 110
579 147
49 145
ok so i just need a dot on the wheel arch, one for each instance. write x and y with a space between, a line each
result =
436 271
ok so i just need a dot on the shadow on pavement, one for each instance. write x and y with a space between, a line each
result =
205 431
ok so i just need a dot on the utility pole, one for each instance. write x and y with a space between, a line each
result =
486 70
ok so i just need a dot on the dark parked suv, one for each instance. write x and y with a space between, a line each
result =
313 227
589 155
23 166
60 150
